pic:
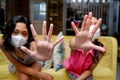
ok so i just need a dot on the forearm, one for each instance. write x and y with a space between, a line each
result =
22 68
32 72
85 75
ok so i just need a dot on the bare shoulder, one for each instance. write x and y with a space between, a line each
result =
1 43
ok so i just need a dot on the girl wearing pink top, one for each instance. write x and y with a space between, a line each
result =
78 62
81 62
85 50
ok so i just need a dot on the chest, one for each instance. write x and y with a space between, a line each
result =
81 58
20 54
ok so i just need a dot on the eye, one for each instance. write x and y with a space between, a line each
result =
25 34
15 32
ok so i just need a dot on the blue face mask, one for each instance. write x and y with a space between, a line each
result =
18 40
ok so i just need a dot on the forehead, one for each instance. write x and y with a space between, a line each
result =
21 26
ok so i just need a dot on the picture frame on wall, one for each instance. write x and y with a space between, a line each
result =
53 8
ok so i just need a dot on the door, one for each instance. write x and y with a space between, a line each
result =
38 14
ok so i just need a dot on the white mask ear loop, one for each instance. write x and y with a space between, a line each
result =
18 40
97 33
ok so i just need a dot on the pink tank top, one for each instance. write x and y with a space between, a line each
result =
78 62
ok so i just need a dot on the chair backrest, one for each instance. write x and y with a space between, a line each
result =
106 69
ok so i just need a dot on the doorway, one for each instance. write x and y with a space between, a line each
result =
38 13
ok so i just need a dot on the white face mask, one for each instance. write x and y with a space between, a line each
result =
97 33
18 40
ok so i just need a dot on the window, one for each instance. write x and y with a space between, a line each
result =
39 11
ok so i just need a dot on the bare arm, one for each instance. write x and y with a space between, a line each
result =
27 70
1 42
85 75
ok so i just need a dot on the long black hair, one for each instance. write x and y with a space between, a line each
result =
9 28
96 53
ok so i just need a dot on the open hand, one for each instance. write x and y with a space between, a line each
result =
83 38
44 48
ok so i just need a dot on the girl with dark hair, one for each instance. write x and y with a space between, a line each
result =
21 46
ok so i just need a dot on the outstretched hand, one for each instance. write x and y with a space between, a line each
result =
83 38
44 48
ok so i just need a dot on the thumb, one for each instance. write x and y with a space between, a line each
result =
58 41
99 48
26 50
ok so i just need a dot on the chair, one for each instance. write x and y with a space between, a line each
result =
106 69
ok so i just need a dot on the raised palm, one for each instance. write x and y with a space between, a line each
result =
44 48
83 37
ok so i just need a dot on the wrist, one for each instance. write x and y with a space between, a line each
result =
73 45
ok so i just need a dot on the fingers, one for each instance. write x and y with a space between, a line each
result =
90 15
74 28
50 32
58 41
44 30
87 22
83 23
97 25
34 33
99 48
26 50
